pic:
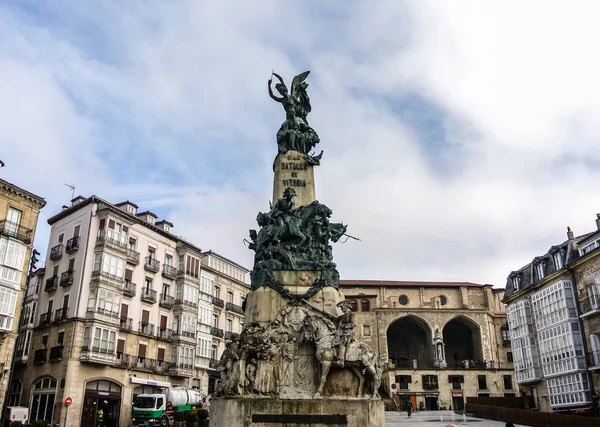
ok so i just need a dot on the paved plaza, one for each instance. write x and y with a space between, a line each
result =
438 419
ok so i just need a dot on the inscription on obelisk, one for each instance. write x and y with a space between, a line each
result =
293 170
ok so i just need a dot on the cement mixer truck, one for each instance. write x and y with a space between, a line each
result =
159 409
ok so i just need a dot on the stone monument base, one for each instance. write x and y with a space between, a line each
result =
273 412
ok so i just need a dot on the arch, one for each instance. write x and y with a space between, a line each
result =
43 394
101 401
409 341
462 338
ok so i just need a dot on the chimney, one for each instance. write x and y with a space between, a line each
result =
598 221
570 234
77 199
65 207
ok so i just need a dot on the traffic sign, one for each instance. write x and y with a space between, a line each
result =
68 401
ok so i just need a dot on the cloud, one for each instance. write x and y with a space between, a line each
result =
459 137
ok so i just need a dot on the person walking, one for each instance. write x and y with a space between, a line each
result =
409 408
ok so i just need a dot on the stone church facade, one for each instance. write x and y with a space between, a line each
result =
444 341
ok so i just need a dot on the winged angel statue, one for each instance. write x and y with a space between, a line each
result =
294 134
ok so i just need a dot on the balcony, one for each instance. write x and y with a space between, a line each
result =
164 334
61 314
181 369
11 229
589 306
40 356
213 363
126 324
166 301
146 329
109 242
56 252
216 332
133 257
148 295
123 361
56 353
234 308
104 314
161 367
218 302
184 303
593 359
169 271
45 319
66 278
143 364
152 264
72 245
51 284
129 288
228 335
189 336
98 355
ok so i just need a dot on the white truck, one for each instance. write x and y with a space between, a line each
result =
160 409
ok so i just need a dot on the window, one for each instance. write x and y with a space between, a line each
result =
213 352
104 341
403 300
117 232
481 382
217 292
190 294
366 330
111 265
148 283
13 217
169 260
443 300
132 244
8 301
516 282
151 253
14 393
505 333
365 305
508 385
230 297
539 268
61 238
108 302
207 284
229 325
403 381
76 230
557 261
353 305
430 382
509 356
591 293
204 347
12 258
215 320
205 314
42 400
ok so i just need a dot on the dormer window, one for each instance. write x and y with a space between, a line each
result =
539 268
557 261
516 282
131 210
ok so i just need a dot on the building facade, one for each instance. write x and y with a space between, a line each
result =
122 307
19 210
445 341
547 337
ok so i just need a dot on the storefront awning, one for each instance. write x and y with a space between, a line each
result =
135 380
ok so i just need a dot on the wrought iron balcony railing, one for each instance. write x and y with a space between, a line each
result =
148 295
169 271
133 257
216 332
164 334
152 264
126 323
66 278
103 239
56 353
129 288
72 245
146 329
51 284
14 230
61 314
56 252
40 356
235 308
45 319
213 363
218 302
186 303
166 301
228 335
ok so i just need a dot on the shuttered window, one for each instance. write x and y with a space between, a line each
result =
141 351
161 354
145 317
121 346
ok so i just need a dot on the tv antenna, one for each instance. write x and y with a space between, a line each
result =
72 187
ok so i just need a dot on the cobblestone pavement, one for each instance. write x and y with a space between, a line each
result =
438 419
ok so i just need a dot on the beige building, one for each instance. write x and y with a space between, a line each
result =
19 210
445 340
123 307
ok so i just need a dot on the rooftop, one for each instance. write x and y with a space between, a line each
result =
408 284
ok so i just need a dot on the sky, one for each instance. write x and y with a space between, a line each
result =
460 137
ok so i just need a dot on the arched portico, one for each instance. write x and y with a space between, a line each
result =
462 337
409 341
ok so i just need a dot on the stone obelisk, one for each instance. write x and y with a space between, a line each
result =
297 360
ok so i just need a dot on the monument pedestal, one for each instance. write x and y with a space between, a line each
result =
292 170
274 412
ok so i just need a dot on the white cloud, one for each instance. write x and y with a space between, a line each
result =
177 94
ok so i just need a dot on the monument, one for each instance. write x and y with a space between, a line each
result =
297 360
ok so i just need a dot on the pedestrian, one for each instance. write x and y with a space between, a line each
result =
510 425
409 408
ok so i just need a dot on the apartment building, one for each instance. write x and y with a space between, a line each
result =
19 210
120 309
444 341
546 331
